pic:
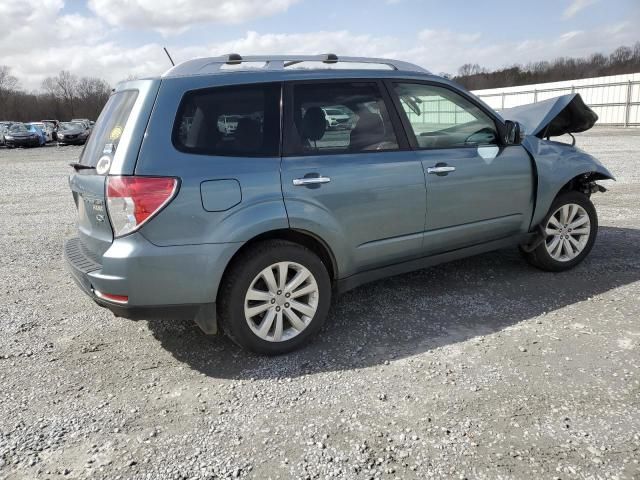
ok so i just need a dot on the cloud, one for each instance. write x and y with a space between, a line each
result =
342 42
39 42
576 6
176 16
446 50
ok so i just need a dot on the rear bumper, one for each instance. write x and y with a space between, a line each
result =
178 282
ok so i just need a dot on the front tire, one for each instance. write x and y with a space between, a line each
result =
571 226
274 297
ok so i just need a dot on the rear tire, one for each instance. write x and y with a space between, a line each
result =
572 226
274 297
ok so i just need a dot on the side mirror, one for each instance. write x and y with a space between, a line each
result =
513 133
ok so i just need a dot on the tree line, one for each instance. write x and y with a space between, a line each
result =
62 97
620 61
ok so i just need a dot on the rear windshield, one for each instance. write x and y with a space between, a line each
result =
108 129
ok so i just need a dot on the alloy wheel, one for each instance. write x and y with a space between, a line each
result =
281 301
568 231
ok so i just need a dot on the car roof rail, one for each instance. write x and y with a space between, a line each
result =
200 66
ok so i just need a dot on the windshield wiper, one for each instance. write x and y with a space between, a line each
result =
80 166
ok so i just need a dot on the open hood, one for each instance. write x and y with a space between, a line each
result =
553 117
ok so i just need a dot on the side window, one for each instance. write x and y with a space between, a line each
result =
335 118
441 118
230 121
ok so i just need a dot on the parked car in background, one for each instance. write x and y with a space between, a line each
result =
4 127
46 129
337 118
23 135
38 131
227 124
84 121
257 228
54 124
72 133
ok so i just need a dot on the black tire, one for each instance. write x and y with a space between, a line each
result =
541 258
238 279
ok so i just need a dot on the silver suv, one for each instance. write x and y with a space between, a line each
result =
223 193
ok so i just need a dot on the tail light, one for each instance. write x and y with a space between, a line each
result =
132 201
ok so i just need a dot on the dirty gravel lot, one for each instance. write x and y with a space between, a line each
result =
482 368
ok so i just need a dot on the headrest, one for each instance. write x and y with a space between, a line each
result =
247 136
314 124
370 123
369 130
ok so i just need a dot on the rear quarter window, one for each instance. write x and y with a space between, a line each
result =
105 137
230 121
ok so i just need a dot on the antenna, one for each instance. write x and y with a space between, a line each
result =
170 59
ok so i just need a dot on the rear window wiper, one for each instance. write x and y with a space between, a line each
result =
81 166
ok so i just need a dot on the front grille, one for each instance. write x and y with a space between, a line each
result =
79 258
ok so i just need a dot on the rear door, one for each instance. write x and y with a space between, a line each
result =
477 189
354 183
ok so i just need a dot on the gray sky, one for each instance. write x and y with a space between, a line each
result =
115 39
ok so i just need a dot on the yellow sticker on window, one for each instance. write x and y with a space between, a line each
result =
115 133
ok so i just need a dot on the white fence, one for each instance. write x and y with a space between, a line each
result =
616 99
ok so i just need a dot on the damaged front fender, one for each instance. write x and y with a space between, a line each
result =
557 164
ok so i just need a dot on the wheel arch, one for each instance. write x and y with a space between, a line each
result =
583 182
301 237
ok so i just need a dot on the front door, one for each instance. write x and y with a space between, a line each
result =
348 176
477 189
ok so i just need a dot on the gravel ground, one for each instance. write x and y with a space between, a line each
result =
482 368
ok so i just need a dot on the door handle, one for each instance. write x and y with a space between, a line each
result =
310 181
441 169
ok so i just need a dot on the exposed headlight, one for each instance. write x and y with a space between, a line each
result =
60 135
8 137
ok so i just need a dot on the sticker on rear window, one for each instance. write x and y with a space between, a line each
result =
103 165
116 132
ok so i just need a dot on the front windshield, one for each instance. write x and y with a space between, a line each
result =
18 127
69 126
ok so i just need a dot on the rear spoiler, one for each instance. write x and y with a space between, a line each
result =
553 117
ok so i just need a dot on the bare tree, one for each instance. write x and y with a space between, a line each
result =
92 94
7 81
67 85
8 84
62 97
622 60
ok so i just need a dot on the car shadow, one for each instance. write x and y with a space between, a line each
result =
416 312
